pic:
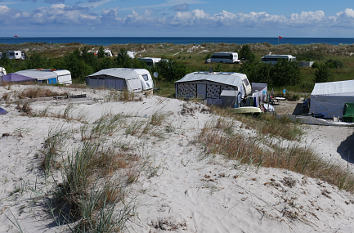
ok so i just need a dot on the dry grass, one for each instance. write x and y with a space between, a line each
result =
87 195
216 140
52 149
5 96
266 124
157 119
38 92
125 96
24 108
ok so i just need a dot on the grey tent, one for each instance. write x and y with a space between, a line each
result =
116 78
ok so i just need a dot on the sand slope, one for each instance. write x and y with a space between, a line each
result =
181 189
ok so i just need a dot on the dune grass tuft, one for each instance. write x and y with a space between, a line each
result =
250 151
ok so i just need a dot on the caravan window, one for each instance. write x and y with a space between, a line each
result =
245 82
222 56
145 77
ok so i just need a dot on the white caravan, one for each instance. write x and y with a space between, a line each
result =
2 71
145 78
150 61
224 57
274 58
18 55
63 77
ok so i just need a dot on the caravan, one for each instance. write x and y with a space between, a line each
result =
2 71
273 58
224 57
150 61
63 77
17 55
132 80
48 76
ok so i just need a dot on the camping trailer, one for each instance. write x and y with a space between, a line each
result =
42 76
63 76
328 99
209 85
2 71
133 80
274 58
150 61
224 57
48 76
17 55
131 54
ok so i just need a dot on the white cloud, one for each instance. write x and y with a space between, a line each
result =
193 20
93 4
4 9
349 12
307 17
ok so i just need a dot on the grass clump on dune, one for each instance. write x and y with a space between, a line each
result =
90 198
265 124
217 139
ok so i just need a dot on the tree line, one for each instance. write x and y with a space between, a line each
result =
82 63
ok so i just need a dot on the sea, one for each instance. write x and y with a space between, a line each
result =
174 40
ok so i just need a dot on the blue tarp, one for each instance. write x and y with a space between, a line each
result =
13 77
2 111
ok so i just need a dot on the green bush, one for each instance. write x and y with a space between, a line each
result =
171 70
334 64
281 74
322 73
246 53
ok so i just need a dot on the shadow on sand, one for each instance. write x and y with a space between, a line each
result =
346 149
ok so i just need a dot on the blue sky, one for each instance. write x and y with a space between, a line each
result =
254 18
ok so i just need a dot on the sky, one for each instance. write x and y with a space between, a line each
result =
182 18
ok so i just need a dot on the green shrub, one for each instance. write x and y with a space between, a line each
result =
334 64
246 53
171 70
322 73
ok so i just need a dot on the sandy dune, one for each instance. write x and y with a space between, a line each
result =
181 189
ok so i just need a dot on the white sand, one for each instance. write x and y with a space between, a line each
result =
182 190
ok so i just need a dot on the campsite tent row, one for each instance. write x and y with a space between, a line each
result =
41 76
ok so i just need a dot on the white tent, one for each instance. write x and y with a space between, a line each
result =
329 98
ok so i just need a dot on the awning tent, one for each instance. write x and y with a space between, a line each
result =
13 77
116 78
328 99
207 85
40 75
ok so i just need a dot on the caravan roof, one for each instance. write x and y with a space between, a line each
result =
341 88
228 78
123 73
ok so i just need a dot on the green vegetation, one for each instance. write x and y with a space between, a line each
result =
338 64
